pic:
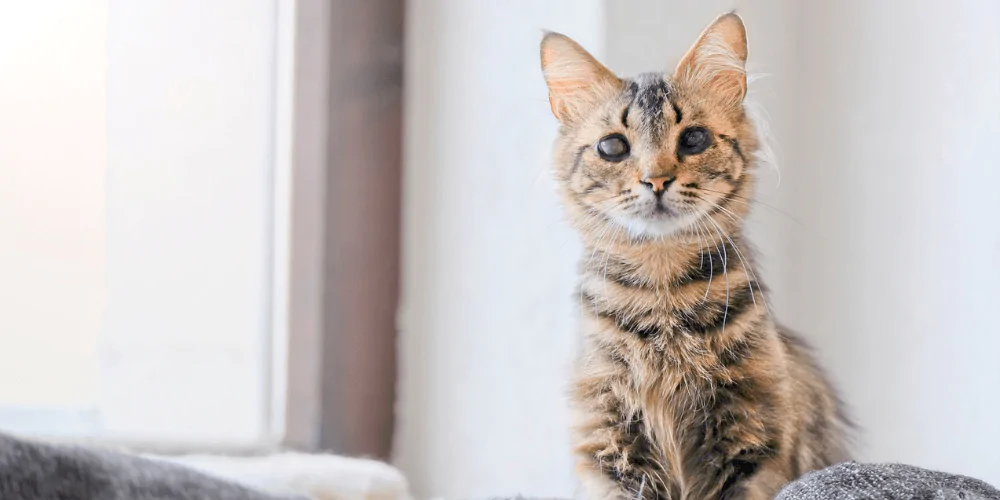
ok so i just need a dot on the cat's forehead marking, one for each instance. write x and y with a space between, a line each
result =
648 92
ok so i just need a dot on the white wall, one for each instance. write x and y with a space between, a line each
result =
487 327
895 166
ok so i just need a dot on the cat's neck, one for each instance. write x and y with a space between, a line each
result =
679 279
666 261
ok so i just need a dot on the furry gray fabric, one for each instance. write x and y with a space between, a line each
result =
37 471
854 481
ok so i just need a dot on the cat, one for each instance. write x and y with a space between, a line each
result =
686 388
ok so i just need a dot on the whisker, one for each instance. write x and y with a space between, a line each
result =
736 247
607 260
711 266
611 197
743 263
701 248
749 201
739 253
725 272
597 242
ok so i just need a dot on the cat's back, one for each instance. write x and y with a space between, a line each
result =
826 429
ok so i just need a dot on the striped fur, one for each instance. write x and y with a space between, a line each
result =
686 387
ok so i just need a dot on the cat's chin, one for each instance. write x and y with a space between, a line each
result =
654 227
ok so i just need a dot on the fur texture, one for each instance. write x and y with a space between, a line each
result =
686 387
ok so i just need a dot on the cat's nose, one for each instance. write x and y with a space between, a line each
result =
658 184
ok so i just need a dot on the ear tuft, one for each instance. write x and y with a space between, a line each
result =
717 61
576 80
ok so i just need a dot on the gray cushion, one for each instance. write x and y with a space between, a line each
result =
854 481
38 471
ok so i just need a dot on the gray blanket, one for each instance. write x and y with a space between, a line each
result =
36 471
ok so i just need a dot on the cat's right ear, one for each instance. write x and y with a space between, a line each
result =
576 80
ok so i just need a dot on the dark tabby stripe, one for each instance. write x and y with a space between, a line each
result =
736 352
593 187
742 467
795 462
713 449
712 316
638 325
708 264
724 202
607 266
735 145
650 91
577 159
636 453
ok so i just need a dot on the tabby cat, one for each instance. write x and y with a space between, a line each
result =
686 387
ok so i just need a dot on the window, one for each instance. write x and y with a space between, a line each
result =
144 228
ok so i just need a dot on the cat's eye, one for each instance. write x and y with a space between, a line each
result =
614 147
694 140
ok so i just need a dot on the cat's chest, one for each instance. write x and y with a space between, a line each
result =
669 410
665 383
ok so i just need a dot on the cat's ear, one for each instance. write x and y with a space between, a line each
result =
576 80
717 61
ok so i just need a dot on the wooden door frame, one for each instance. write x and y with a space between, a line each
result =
344 256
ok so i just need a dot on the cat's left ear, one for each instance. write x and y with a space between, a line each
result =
576 80
717 61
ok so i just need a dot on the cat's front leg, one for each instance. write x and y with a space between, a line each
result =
616 461
739 451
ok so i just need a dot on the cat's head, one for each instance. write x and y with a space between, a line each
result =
652 155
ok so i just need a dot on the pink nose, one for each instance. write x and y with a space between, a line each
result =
658 184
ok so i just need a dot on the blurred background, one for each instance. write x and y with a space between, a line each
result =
235 225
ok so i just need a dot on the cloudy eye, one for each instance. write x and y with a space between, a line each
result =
613 148
694 140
